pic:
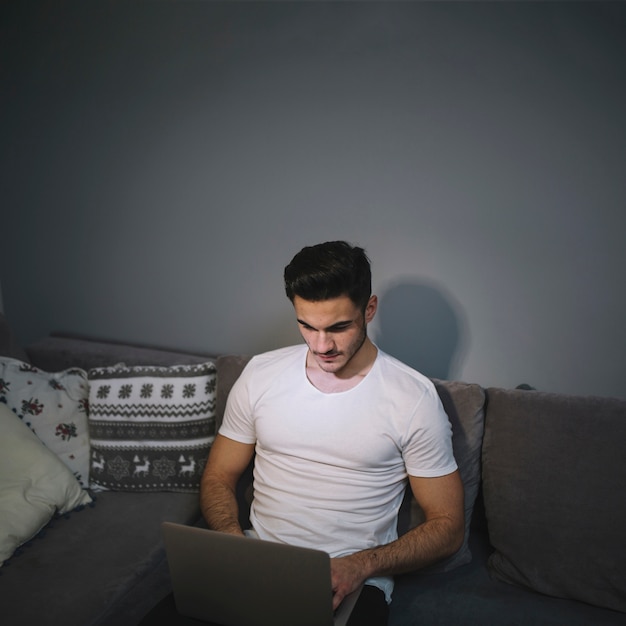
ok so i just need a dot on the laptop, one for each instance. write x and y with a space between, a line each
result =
241 581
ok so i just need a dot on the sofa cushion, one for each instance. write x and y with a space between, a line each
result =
54 406
87 563
553 481
34 484
151 427
469 596
465 405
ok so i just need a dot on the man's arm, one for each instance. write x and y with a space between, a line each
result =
441 535
227 461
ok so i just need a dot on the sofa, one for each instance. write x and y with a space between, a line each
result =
545 513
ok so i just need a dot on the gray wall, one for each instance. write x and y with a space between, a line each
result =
162 162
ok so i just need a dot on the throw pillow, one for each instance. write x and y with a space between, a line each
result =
151 427
34 484
553 480
54 406
465 405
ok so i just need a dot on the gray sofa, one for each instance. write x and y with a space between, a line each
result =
545 515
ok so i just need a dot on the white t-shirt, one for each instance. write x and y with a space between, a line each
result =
331 468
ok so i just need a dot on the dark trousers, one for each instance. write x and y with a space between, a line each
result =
370 610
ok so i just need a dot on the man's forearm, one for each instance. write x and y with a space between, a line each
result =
219 506
441 535
419 547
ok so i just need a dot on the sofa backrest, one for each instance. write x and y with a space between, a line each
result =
56 353
554 472
229 367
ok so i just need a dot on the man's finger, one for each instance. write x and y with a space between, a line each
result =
337 599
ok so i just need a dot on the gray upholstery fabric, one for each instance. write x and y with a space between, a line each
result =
554 472
9 346
229 367
53 354
469 596
91 559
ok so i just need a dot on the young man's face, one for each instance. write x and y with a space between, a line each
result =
335 329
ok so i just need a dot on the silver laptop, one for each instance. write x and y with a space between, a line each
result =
240 581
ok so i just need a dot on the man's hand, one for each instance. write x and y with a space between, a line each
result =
346 575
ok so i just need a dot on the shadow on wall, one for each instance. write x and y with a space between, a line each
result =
422 326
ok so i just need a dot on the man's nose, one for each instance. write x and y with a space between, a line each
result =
324 342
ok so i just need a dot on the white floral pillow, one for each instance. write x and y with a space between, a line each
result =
151 427
55 407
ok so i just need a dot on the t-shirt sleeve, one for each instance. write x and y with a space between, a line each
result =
427 450
238 423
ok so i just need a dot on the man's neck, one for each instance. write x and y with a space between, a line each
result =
348 376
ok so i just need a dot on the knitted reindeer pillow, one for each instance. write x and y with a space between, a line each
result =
151 427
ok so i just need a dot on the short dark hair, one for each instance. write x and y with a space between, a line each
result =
330 270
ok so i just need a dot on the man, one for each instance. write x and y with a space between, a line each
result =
338 428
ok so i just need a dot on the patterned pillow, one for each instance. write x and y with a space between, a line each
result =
54 406
151 427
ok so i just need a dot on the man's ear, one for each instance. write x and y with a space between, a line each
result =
371 308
